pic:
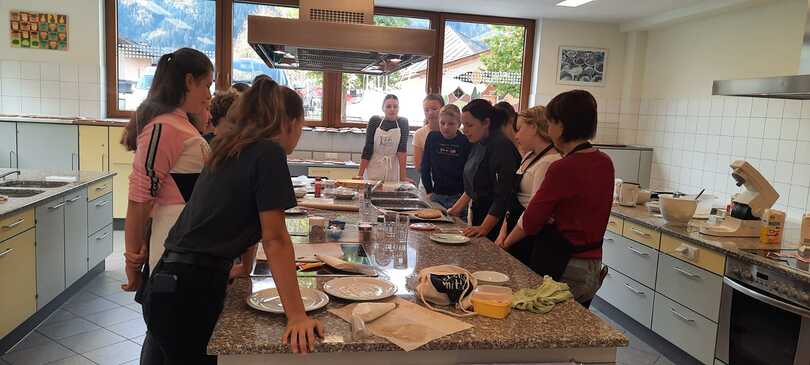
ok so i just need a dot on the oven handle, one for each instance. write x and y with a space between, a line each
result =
766 299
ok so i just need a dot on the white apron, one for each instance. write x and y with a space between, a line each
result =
163 218
384 164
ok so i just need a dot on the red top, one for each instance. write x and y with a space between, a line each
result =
577 193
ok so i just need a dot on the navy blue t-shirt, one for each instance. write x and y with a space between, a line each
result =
443 163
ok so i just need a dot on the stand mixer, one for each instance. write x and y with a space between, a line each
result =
747 206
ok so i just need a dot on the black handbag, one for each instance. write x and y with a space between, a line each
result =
551 252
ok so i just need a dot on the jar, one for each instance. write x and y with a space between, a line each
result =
317 229
365 232
773 224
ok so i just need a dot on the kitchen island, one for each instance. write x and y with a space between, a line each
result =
569 332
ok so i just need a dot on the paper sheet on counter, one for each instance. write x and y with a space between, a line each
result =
308 250
410 325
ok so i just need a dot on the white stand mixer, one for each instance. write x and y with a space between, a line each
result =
747 206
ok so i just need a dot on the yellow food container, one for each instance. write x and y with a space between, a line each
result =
492 301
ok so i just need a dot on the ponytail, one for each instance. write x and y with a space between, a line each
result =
483 110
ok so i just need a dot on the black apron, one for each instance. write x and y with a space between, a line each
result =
522 249
551 251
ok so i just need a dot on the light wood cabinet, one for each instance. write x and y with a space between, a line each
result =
121 164
639 233
17 280
94 152
15 223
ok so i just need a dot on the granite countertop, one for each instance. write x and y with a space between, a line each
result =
731 246
242 330
16 204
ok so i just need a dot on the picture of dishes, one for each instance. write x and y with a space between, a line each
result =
30 29
582 66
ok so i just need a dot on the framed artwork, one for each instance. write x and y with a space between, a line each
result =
29 29
582 66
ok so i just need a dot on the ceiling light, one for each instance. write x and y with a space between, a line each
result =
573 3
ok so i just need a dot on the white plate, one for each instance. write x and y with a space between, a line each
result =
359 289
491 276
268 300
449 238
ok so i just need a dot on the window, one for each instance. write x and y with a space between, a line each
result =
148 29
246 64
364 94
482 61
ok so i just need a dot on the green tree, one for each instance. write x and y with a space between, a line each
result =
505 55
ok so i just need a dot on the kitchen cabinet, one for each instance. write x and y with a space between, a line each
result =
47 146
121 164
50 250
630 258
100 245
632 297
75 236
17 280
689 285
8 144
684 328
99 213
93 148
631 165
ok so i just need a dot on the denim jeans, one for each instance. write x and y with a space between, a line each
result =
447 202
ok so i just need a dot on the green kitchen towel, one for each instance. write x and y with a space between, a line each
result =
543 298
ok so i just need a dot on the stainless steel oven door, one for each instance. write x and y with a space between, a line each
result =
757 328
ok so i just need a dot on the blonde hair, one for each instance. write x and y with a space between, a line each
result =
451 110
536 116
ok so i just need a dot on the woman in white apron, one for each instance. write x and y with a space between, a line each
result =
385 152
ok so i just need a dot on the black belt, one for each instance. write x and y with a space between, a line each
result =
198 259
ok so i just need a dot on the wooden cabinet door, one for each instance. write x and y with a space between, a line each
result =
94 153
17 280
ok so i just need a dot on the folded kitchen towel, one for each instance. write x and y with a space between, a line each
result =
543 298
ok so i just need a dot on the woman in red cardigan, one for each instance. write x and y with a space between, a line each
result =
569 213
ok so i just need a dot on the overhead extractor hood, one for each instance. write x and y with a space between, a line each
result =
778 87
338 35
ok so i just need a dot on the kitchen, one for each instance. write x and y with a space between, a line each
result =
662 60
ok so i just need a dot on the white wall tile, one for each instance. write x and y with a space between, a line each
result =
753 148
738 146
793 109
30 71
730 106
30 106
49 89
773 128
11 87
92 109
628 121
89 91
801 174
693 107
770 149
727 126
798 197
50 71
12 105
10 69
744 107
715 125
613 105
803 152
784 172
776 108
68 73
706 106
703 125
787 151
724 146
69 90
767 169
683 107
790 128
804 130
29 88
610 118
759 108
89 73
756 127
69 107
717 106
49 106
741 126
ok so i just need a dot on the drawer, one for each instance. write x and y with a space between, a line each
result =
615 224
629 296
647 236
99 213
690 285
99 188
17 280
630 258
99 246
684 328
705 258
16 223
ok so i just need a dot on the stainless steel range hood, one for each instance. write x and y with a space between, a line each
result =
338 35
778 87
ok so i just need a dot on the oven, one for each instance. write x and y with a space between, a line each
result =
757 327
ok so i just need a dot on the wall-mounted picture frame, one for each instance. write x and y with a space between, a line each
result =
30 29
582 66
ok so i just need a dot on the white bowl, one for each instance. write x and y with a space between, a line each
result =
677 211
300 192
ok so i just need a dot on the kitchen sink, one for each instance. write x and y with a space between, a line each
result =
394 195
33 184
400 204
20 193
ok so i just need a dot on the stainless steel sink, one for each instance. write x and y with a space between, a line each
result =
20 193
400 204
33 184
394 195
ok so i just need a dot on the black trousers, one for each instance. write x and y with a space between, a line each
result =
180 318
479 210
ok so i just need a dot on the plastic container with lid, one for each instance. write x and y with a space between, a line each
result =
492 301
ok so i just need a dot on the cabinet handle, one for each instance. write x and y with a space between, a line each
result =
74 199
12 225
686 273
11 159
640 232
6 252
72 155
612 223
102 187
57 206
99 205
634 290
681 316
637 252
99 238
608 240
102 162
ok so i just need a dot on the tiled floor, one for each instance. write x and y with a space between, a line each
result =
102 325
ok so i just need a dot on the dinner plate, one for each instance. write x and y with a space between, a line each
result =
359 289
268 300
296 211
491 276
423 226
449 238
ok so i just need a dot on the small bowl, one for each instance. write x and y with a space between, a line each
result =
643 197
677 211
300 192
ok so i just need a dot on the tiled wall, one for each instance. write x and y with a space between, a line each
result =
335 146
695 139
614 113
51 89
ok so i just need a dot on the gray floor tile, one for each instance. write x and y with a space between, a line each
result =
136 307
75 360
119 353
114 275
104 287
631 356
90 341
130 329
88 308
31 340
82 296
68 328
134 362
122 298
664 361
138 340
113 316
39 355
57 316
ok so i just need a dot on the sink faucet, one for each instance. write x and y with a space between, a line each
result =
3 175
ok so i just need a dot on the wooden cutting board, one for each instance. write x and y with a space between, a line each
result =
329 204
352 183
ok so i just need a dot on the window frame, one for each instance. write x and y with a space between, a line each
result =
332 113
